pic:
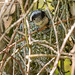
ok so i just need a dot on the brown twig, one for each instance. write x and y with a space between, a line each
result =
45 66
46 55
16 61
70 19
14 24
8 48
25 6
28 64
35 32
73 61
61 49
11 45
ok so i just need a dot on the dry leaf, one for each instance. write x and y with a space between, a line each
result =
7 21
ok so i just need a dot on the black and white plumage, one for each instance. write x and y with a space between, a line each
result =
39 18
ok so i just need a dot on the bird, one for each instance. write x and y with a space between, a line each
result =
39 18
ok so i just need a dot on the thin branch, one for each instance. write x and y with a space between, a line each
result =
26 4
45 66
46 55
41 63
52 19
61 49
14 24
45 45
73 61
7 49
29 60
15 60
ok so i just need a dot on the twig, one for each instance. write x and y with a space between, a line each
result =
45 45
14 24
61 49
7 49
2 62
45 65
63 26
15 60
41 63
52 19
28 65
1 12
26 4
11 45
73 61
63 21
46 55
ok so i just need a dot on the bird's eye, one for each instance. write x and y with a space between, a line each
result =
34 19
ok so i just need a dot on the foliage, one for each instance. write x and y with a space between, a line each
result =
26 51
